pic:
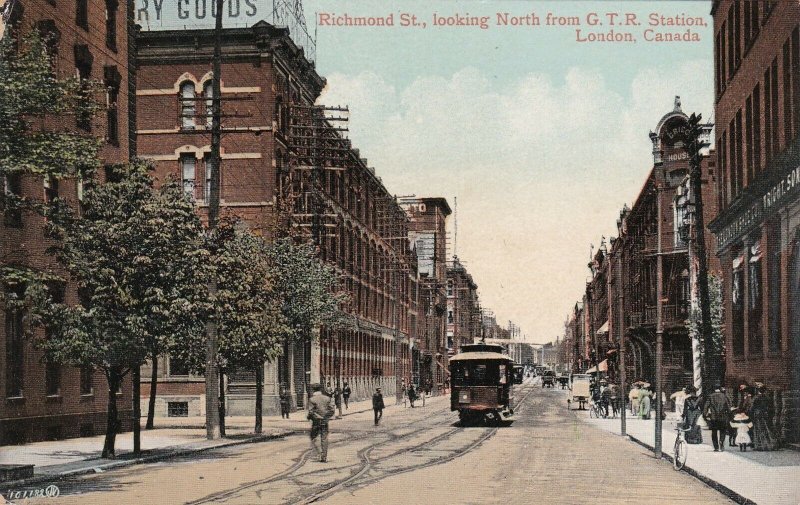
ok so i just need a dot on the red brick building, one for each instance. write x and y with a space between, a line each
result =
757 84
88 39
277 178
463 310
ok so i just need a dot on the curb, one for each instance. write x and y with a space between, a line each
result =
730 493
150 458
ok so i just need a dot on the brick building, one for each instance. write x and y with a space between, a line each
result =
757 84
427 232
88 39
276 177
463 309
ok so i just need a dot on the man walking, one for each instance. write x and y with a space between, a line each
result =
717 413
377 405
346 392
285 402
320 410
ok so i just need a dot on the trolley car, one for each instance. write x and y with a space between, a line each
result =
481 377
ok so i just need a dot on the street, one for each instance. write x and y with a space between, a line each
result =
548 455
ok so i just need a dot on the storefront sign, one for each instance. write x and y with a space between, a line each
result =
199 14
776 196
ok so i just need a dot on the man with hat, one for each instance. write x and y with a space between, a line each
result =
378 405
320 410
717 413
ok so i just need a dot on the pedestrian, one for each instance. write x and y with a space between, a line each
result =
378 405
337 400
692 410
678 398
764 438
633 397
412 395
741 423
285 402
644 401
404 392
716 412
746 404
346 392
320 410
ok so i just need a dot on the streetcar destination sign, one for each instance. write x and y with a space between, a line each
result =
199 14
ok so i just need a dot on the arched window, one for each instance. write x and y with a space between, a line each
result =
187 106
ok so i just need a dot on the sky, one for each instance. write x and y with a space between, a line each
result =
541 138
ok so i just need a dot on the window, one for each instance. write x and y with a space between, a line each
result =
450 316
774 107
15 353
737 303
208 92
748 137
177 409
787 93
12 190
774 284
187 105
111 24
51 37
177 367
755 146
796 78
82 14
768 115
87 378
188 163
52 379
449 288
754 305
50 189
112 82
83 71
209 164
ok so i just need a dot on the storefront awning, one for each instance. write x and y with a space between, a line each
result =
603 365
592 370
603 329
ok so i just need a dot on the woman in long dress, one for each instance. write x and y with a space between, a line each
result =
692 409
644 402
764 438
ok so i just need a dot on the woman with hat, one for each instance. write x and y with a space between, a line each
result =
764 438
692 410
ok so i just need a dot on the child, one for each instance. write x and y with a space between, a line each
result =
742 424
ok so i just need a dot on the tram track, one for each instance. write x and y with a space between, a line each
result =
366 461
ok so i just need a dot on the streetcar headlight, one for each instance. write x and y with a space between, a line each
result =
463 397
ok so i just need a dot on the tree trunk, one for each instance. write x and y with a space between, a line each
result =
259 398
137 410
221 403
151 406
114 377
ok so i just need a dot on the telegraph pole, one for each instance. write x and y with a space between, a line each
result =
711 362
659 314
212 371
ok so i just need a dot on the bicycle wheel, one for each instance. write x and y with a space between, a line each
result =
680 453
593 412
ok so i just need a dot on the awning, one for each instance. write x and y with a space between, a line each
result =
591 370
603 365
603 329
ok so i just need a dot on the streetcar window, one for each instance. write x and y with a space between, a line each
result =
502 374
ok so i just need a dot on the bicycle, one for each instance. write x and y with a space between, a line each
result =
680 449
596 411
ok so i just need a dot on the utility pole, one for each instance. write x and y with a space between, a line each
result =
659 313
711 363
212 371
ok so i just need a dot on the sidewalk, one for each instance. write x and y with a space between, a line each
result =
172 437
764 478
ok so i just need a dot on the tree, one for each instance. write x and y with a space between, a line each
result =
717 335
137 257
309 289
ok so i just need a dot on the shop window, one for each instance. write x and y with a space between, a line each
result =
737 305
754 288
774 283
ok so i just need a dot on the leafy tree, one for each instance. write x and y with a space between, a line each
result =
137 257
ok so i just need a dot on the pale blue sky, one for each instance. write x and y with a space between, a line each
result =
541 138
